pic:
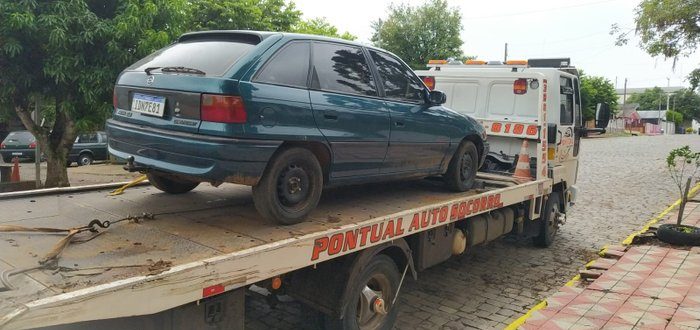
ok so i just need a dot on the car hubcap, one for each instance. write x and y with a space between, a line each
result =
372 306
293 186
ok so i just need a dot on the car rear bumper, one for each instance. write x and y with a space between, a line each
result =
198 157
20 153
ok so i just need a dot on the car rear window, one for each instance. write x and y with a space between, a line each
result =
20 137
213 57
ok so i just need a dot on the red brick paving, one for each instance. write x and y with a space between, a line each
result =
649 287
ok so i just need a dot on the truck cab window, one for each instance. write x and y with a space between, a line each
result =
566 101
577 104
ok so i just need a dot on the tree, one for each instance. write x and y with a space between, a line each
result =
418 34
66 54
687 102
320 26
262 15
667 27
650 99
674 116
596 90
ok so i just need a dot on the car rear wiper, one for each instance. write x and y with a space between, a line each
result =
175 69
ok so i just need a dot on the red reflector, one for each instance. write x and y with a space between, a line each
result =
32 145
223 109
212 290
2 146
429 82
520 86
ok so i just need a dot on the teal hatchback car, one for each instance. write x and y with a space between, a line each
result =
287 114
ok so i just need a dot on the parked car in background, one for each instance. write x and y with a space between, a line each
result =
87 148
20 144
286 114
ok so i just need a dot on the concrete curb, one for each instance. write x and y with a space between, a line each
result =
62 190
627 241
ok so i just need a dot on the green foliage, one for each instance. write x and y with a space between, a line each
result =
689 130
668 27
675 117
418 34
650 99
694 79
682 163
687 102
320 26
262 15
596 90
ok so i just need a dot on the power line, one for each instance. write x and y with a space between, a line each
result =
539 11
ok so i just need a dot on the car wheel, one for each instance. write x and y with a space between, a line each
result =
549 221
290 188
370 302
84 159
461 173
68 162
170 185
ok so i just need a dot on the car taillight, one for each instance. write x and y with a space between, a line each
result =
520 86
32 145
2 146
223 109
429 82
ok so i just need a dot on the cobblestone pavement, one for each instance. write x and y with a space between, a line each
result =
622 183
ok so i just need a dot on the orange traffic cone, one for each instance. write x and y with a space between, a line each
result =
522 169
14 177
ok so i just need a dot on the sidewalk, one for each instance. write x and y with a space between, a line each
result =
649 286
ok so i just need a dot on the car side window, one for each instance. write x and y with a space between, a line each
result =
341 68
398 79
566 101
87 138
288 67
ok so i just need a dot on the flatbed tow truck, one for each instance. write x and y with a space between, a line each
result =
146 259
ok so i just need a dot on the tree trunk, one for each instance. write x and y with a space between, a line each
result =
55 143
684 199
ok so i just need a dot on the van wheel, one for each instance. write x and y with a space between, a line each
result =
170 185
290 188
461 173
549 221
370 302
85 159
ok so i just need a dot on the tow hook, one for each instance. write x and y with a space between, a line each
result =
132 167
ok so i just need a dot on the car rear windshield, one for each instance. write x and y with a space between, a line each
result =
214 57
23 137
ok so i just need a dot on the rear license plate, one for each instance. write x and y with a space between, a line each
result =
148 104
16 154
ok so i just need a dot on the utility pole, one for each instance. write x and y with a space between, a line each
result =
624 94
505 54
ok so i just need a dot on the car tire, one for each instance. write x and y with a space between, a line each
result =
679 234
85 159
290 187
382 277
461 173
548 221
170 185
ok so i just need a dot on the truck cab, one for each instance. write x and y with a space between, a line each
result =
520 99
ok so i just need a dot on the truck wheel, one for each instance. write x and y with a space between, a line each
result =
548 221
369 304
170 185
461 173
84 159
290 188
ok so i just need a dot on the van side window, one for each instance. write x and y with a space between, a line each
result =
566 101
289 67
398 79
341 68
88 138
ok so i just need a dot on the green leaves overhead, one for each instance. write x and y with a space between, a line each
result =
596 90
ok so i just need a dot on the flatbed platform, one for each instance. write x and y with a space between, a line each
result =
208 239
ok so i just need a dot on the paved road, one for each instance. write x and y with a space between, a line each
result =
623 183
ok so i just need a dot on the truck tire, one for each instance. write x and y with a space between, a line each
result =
461 173
378 279
170 185
548 221
290 187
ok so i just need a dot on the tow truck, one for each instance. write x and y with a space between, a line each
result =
73 258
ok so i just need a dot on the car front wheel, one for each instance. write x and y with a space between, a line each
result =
290 188
170 185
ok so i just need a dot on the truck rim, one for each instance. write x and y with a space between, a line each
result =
373 303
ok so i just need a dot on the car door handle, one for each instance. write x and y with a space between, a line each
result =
330 116
398 124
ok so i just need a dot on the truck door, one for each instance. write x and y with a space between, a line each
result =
569 127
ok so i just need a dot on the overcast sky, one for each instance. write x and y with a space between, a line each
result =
533 29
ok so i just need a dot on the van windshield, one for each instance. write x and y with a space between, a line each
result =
214 57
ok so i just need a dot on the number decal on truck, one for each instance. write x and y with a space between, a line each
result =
510 129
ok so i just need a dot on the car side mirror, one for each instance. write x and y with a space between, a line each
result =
437 97
552 133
